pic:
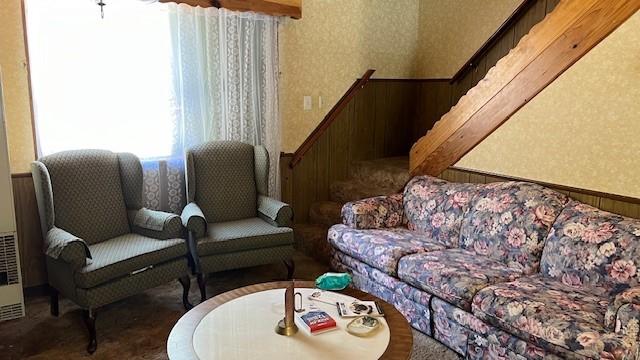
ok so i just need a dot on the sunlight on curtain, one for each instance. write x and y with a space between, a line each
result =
101 83
154 80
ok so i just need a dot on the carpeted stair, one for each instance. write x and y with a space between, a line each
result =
366 179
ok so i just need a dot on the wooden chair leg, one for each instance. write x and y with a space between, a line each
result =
291 268
90 321
185 281
202 283
53 302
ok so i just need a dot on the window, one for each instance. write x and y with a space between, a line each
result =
102 83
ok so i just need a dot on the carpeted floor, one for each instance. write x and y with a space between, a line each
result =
137 328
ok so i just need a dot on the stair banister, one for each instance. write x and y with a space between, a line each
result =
331 116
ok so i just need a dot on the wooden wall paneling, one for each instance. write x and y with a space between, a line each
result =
477 178
620 207
550 5
382 117
363 125
30 241
340 144
461 87
304 190
585 198
323 161
286 179
397 104
426 109
479 71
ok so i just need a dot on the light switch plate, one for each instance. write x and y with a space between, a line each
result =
307 103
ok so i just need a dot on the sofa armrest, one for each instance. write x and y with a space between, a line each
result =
67 247
630 296
374 213
193 219
155 224
274 212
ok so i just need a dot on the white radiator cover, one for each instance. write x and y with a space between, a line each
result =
11 298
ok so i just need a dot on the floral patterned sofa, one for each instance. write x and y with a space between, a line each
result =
507 270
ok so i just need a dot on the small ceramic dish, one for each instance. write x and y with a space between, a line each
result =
363 326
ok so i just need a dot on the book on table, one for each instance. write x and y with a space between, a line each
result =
315 321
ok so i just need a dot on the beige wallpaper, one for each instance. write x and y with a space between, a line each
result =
335 42
583 129
451 31
16 88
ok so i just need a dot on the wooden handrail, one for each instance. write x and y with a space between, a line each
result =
506 25
330 117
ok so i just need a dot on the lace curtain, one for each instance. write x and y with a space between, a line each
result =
225 67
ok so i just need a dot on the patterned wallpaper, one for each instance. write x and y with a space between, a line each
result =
451 31
335 42
581 131
16 87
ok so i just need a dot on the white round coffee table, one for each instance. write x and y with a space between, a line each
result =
240 325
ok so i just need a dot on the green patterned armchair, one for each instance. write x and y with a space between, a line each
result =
232 222
101 245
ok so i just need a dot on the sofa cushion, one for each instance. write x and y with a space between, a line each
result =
241 235
118 257
380 248
436 207
551 314
454 275
591 247
509 222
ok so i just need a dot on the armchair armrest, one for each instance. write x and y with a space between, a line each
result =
155 224
274 212
67 247
374 213
621 306
626 322
193 219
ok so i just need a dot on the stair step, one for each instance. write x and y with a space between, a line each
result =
311 239
354 189
325 213
385 172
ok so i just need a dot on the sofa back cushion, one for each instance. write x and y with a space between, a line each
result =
509 221
591 247
87 194
436 207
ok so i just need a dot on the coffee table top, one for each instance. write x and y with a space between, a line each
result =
240 328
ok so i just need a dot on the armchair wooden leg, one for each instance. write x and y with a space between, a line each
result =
90 321
202 283
53 301
291 268
185 281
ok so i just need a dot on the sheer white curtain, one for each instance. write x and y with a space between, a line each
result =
153 79
226 68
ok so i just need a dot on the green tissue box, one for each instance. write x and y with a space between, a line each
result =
333 281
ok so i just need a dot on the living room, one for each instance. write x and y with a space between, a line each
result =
240 179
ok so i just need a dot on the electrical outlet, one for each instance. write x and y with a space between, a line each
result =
307 105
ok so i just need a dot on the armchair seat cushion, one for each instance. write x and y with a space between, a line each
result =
380 248
118 257
552 314
242 235
454 275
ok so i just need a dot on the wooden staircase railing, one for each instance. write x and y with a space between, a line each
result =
331 116
551 47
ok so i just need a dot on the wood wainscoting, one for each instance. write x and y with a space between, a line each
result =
623 205
382 120
29 234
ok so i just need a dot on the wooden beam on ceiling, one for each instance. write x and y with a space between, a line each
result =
290 8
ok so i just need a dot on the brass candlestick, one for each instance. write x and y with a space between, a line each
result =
287 326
